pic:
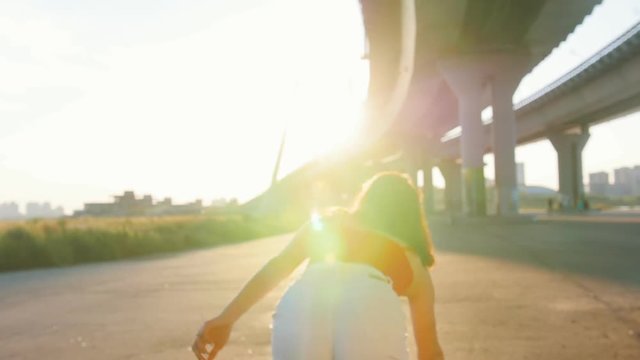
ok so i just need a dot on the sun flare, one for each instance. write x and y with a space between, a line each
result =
322 79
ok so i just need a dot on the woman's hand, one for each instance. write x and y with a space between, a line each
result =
215 333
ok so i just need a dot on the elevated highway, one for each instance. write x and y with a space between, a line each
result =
470 55
435 65
603 87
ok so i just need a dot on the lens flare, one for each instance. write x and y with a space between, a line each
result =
316 221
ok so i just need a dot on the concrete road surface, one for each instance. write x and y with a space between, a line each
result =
544 290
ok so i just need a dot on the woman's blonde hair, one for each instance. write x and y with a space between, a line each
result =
391 204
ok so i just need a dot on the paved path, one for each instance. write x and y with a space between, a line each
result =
547 290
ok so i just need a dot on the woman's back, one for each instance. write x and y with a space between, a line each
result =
346 304
340 238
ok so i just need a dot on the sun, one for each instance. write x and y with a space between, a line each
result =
325 87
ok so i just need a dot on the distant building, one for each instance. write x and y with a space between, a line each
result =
599 183
42 210
622 181
221 202
626 182
635 184
166 207
520 175
9 211
128 205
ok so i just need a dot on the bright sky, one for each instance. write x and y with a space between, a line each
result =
188 98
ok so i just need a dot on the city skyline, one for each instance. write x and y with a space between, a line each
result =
10 210
13 211
521 178
626 182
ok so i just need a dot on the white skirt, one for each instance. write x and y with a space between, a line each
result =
340 311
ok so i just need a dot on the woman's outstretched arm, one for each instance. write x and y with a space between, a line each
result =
271 274
421 296
216 331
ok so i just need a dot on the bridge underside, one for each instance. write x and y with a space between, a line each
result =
468 55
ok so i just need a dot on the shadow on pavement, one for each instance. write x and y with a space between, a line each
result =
605 250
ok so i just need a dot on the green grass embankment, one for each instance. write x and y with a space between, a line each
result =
47 243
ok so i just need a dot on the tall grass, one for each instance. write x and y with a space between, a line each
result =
43 243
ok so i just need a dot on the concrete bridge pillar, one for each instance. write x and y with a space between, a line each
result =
569 146
506 76
427 186
466 80
453 185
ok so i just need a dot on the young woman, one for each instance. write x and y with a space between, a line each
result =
347 305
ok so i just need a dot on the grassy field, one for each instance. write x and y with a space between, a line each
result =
43 243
